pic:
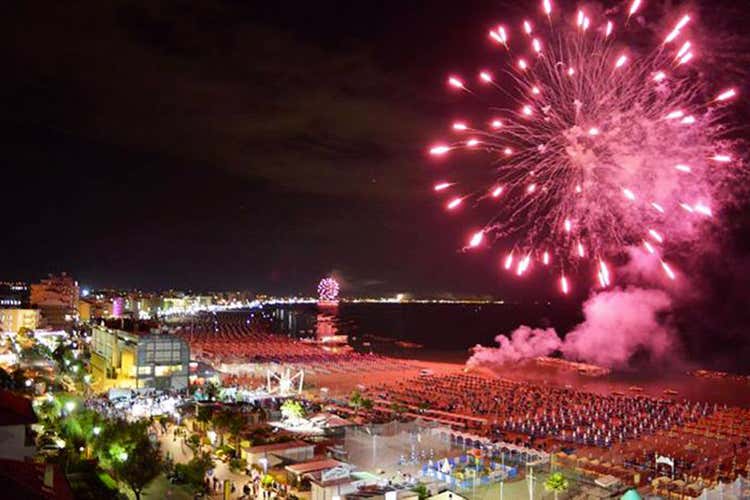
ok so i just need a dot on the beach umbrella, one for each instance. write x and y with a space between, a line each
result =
631 495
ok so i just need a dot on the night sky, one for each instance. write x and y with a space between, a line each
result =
240 145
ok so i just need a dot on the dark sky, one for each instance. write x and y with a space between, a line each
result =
222 145
235 144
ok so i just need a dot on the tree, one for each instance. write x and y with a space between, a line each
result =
267 480
6 381
237 464
212 391
232 422
19 379
367 403
141 464
235 425
203 415
78 428
556 483
194 441
194 471
35 351
292 410
125 449
25 337
59 355
355 400
421 490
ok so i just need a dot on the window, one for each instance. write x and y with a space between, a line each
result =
167 370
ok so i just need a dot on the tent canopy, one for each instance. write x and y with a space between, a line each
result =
631 495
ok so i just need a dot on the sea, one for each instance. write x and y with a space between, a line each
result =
430 331
446 332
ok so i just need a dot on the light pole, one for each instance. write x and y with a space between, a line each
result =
531 481
502 474
69 407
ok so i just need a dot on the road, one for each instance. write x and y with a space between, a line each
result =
181 453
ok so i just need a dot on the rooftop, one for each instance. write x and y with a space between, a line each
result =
267 448
32 480
15 409
313 466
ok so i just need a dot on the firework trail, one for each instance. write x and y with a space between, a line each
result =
597 148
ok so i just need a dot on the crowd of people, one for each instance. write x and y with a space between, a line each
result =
132 405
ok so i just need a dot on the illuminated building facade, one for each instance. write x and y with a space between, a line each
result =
84 310
57 298
94 308
118 307
12 320
14 294
138 360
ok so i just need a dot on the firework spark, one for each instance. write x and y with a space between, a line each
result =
476 239
591 152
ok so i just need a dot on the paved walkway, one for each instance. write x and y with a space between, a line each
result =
181 453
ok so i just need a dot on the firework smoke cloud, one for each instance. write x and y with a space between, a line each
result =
633 315
523 343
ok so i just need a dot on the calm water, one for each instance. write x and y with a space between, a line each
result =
445 331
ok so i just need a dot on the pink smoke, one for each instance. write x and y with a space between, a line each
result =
619 323
524 343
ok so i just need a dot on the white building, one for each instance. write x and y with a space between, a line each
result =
16 417
12 320
270 455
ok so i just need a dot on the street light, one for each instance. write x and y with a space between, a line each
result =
96 430
123 456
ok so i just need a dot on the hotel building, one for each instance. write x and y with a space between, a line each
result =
139 360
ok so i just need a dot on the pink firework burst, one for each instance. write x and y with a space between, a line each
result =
328 289
595 147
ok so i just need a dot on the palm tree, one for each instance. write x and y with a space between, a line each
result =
556 483
421 490
355 400
292 410
235 425
203 415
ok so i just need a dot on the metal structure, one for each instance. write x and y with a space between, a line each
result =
282 382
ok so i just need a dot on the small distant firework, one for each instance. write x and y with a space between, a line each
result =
595 147
328 290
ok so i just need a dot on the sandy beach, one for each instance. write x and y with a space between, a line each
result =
341 384
680 384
